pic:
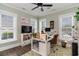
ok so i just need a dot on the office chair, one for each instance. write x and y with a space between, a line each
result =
53 42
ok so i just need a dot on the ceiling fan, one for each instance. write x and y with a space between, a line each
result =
41 5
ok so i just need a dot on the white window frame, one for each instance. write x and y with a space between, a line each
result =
34 26
40 24
60 22
14 26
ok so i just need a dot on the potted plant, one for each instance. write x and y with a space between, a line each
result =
77 20
76 27
10 34
4 35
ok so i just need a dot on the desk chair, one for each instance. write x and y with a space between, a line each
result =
53 42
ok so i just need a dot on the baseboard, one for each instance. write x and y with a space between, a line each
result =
11 46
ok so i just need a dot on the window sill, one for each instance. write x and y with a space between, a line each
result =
6 41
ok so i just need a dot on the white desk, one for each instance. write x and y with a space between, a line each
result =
44 46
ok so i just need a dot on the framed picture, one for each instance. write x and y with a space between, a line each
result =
52 24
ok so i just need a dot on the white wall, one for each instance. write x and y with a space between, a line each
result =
55 17
19 15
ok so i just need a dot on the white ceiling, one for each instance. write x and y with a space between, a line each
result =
27 7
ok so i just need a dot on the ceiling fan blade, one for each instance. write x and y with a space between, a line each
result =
35 7
47 5
42 9
35 3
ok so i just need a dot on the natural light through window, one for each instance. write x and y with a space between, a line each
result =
7 26
66 23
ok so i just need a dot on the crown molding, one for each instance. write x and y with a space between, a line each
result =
49 13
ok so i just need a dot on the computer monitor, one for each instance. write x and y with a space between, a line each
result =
47 29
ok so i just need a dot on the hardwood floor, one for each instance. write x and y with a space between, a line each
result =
17 51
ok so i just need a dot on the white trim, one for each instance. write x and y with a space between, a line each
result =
40 24
34 24
6 41
7 13
19 9
60 25
0 26
27 12
14 25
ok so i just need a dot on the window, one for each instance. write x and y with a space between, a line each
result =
7 27
34 25
7 21
42 25
67 26
66 23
